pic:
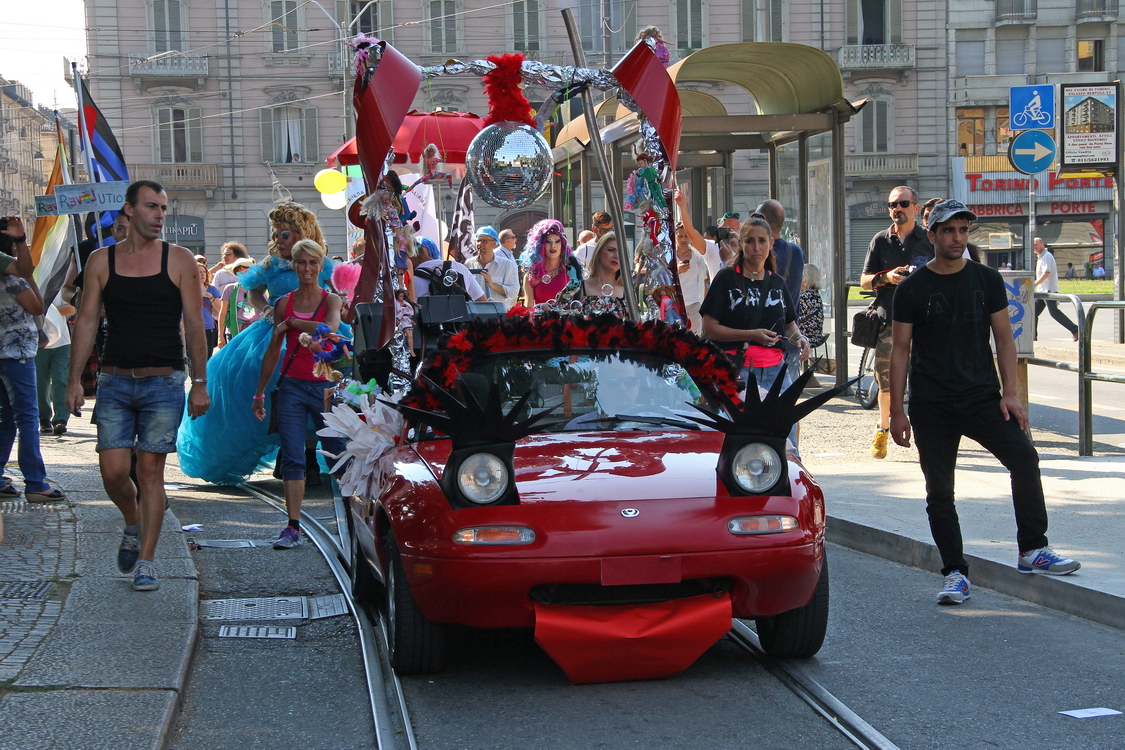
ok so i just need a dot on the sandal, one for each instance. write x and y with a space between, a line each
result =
9 490
46 496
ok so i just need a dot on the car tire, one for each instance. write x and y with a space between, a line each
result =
798 632
365 586
417 646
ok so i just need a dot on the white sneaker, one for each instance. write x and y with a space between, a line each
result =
955 589
1045 561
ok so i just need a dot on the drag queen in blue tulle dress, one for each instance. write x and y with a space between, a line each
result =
227 443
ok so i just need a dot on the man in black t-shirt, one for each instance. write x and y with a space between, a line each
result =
944 313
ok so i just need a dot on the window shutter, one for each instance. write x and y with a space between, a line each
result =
882 127
519 26
175 30
683 25
343 16
894 22
267 135
160 25
853 21
533 25
164 135
450 21
628 25
1009 57
970 58
696 24
311 136
1050 56
277 18
749 20
777 20
195 135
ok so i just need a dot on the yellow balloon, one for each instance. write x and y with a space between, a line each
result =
329 181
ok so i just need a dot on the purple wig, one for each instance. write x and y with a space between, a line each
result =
532 258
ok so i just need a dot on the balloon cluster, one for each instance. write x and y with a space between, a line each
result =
332 186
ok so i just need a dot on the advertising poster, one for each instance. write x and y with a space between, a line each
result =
1089 126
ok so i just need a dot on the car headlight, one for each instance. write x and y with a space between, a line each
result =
482 478
756 467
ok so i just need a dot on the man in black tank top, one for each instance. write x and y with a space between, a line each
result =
146 286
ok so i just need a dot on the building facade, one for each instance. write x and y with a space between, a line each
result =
22 158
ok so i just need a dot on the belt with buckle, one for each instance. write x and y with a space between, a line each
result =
139 372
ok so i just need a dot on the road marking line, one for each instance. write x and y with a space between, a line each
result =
1049 398
1107 408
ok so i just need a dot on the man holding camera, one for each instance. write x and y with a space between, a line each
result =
892 254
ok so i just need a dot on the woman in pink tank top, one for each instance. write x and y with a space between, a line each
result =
300 390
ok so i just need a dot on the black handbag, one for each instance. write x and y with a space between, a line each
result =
272 428
866 326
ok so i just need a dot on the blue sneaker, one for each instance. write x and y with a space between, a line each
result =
144 577
128 552
955 589
288 539
1045 561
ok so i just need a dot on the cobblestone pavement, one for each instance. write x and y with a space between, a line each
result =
36 567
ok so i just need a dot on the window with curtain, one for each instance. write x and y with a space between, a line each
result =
179 135
874 128
365 17
290 135
525 25
970 131
443 26
283 17
690 22
167 25
874 21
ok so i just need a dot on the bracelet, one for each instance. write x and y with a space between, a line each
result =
199 381
18 240
260 398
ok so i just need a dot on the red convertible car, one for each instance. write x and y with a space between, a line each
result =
558 470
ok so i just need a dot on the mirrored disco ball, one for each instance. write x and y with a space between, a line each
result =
509 165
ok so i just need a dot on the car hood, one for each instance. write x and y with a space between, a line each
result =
599 466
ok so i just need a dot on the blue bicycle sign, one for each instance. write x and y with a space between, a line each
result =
1032 107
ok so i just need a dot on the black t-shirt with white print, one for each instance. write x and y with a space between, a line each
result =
738 302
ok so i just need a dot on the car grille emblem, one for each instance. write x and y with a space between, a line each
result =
630 512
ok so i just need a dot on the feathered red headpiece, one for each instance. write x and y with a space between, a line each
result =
506 102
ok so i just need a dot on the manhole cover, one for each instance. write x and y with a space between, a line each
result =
273 608
257 631
26 590
327 606
224 543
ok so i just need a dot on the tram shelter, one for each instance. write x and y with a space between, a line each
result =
797 95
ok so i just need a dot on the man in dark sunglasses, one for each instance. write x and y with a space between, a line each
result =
890 259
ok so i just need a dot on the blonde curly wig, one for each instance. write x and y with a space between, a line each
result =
295 218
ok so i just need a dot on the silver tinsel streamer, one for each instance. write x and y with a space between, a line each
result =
543 74
400 359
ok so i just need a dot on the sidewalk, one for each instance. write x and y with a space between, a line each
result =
85 662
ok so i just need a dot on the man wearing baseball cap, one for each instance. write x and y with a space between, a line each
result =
943 316
500 276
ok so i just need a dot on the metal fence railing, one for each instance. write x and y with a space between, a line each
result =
1086 377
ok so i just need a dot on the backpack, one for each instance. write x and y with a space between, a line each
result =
445 281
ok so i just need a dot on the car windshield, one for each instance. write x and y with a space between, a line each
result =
600 391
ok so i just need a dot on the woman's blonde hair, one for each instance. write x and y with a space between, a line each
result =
295 218
308 247
813 277
596 256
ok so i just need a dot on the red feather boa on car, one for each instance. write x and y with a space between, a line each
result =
504 87
704 361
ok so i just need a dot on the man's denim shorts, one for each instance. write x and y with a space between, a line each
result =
141 413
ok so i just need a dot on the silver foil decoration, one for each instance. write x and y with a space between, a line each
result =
509 164
400 360
543 74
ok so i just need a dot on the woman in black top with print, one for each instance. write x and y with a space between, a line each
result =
748 304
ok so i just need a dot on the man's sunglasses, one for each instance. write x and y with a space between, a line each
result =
899 204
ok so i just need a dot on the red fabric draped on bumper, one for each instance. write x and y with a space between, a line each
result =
631 642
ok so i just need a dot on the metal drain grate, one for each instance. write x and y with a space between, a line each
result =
26 590
273 608
257 631
18 506
224 543
327 606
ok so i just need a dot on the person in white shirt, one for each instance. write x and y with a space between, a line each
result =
424 261
693 268
508 241
500 276
600 223
1047 280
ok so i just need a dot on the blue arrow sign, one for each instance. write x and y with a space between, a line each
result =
1032 151
1031 107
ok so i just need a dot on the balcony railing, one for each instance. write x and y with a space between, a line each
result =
168 65
183 176
880 165
869 56
1095 9
1017 11
335 64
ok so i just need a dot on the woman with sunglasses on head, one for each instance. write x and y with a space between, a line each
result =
233 370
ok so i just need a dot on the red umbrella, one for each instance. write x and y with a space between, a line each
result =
450 131
346 155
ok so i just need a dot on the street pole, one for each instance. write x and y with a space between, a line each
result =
1119 255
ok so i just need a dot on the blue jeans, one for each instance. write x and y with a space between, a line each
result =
141 413
19 412
297 401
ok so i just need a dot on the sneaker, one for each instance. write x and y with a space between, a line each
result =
288 539
128 552
59 428
879 444
1045 561
144 578
955 589
46 429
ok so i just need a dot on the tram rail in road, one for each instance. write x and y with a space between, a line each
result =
388 704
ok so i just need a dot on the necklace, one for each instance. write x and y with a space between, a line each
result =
549 276
754 275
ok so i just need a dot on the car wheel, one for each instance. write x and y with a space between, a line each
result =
417 645
798 632
365 586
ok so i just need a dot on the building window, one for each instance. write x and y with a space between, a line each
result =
970 131
443 26
874 127
525 25
1003 131
1091 55
364 17
607 22
970 56
167 25
290 135
1009 57
283 17
1050 53
874 21
691 21
179 135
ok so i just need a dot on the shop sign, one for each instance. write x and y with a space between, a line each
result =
998 188
1089 127
871 210
184 228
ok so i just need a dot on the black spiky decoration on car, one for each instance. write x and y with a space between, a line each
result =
468 423
773 416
